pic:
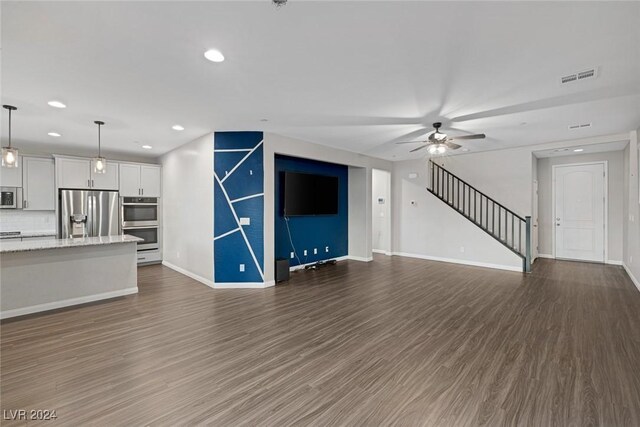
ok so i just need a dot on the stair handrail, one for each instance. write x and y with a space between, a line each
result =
439 193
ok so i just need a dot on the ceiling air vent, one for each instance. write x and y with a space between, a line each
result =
579 126
581 75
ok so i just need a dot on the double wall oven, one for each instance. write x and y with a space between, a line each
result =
140 218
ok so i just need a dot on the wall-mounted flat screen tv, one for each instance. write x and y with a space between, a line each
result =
309 194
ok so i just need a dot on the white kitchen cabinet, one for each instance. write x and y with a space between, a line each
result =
107 180
11 177
73 173
129 180
138 180
78 173
150 181
38 179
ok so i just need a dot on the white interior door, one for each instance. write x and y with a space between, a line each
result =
580 211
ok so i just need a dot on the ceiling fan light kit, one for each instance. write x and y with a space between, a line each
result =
438 142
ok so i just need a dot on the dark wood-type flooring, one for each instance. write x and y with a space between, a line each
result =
397 341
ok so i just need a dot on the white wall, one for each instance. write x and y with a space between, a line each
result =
381 212
187 202
431 229
615 199
360 227
631 209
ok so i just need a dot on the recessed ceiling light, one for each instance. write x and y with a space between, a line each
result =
147 147
56 104
214 55
55 134
177 127
577 150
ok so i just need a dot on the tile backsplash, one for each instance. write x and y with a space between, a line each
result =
20 220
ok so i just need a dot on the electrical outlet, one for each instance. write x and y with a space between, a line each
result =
305 252
293 255
241 268
461 249
178 254
326 248
315 251
630 259
245 221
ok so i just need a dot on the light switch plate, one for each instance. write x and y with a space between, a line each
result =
245 221
242 268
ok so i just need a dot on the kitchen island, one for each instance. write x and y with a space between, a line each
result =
43 275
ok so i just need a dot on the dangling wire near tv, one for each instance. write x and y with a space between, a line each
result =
308 194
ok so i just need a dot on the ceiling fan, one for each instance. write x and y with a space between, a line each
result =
438 142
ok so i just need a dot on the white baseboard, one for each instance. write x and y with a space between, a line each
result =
211 284
380 251
194 276
546 256
631 276
359 258
460 261
66 303
613 262
244 285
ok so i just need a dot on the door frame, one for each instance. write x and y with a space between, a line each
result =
605 165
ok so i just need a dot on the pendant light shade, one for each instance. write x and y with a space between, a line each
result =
9 154
99 163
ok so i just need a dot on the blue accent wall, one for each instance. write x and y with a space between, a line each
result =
238 193
309 232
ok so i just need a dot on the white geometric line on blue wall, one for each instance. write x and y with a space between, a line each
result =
226 234
235 216
231 150
240 162
240 199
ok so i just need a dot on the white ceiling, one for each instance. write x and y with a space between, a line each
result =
354 75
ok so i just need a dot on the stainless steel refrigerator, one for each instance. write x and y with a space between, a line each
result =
88 213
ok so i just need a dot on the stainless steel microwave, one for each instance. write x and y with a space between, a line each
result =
139 212
10 198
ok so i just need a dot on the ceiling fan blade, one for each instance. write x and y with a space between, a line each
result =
409 142
476 136
451 145
419 148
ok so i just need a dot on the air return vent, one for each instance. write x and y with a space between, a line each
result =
579 126
591 73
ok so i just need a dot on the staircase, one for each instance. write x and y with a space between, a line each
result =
504 225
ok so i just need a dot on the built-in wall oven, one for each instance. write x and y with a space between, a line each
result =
140 218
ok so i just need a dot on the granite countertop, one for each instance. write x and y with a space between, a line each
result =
40 233
37 245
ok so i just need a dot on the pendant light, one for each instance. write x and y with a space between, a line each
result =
9 154
99 163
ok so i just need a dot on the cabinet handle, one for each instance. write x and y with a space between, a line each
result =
24 204
92 184
142 190
89 183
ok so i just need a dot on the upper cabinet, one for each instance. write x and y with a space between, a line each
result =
107 180
38 181
137 180
12 177
150 180
73 173
78 174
